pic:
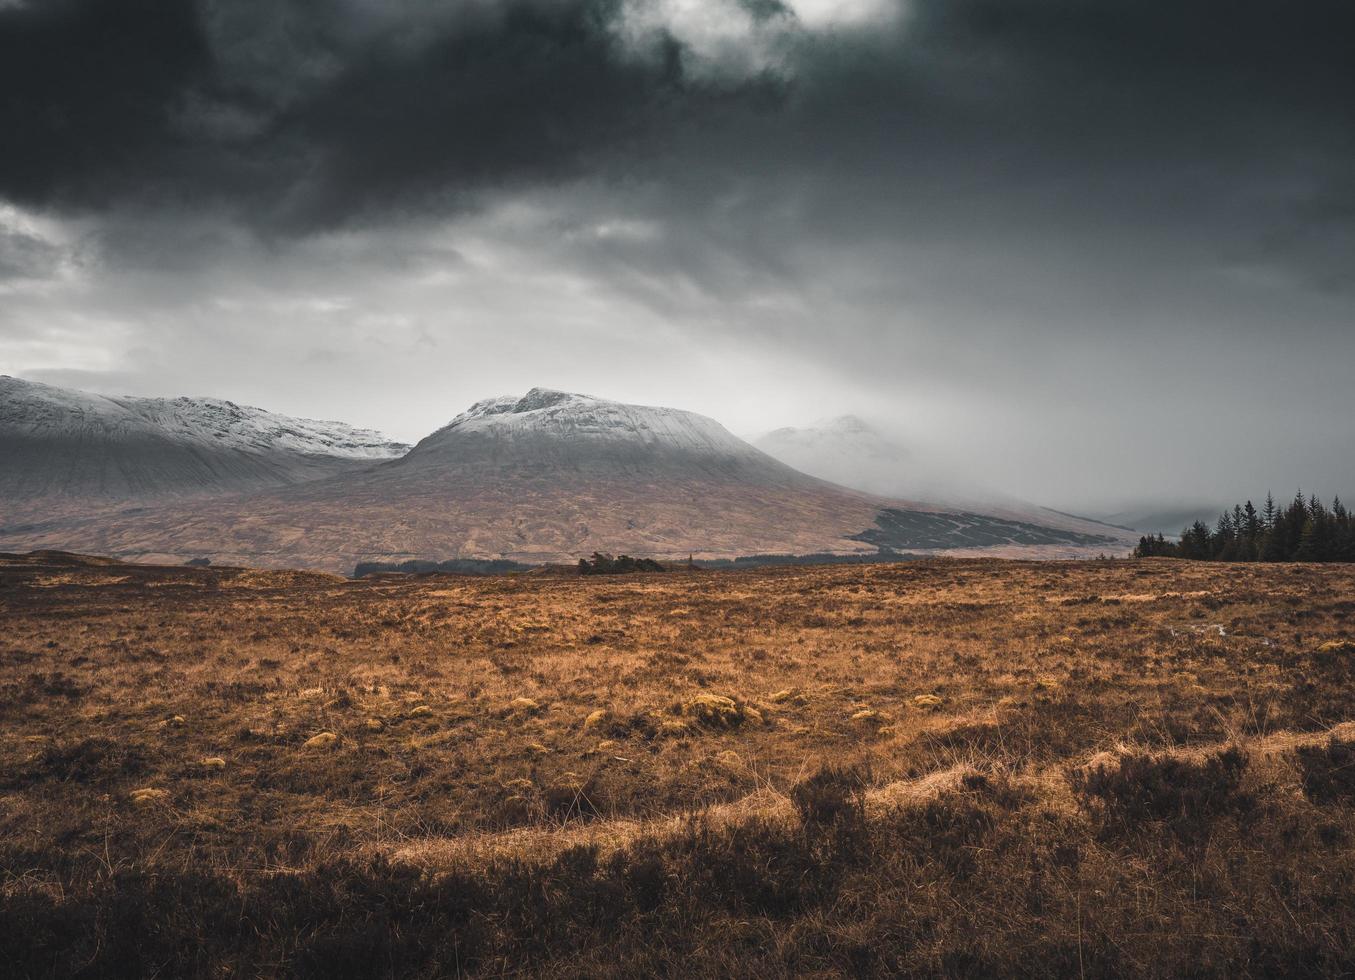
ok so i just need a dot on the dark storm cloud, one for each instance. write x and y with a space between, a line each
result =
526 98
1103 108
311 112
308 113
86 90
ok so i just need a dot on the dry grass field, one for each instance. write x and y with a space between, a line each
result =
950 767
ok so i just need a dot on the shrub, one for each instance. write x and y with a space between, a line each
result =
1328 771
1186 794
834 796
715 711
90 761
323 740
601 564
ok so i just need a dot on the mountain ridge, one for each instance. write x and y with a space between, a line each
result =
65 446
545 476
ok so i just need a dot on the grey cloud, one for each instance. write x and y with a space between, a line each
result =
1089 250
26 256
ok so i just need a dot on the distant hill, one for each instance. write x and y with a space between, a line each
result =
850 451
1168 520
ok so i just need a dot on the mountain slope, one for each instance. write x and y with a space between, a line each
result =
71 449
546 476
851 452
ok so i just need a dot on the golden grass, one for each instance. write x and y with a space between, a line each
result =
255 724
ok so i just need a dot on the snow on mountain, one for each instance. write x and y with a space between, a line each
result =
214 422
39 410
569 416
60 445
558 428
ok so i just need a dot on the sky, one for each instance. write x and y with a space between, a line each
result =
1095 253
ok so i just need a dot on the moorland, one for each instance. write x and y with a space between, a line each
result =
942 767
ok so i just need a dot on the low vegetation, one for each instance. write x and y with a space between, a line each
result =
1181 794
452 566
601 564
956 768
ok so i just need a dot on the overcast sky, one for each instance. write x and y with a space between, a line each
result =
1092 252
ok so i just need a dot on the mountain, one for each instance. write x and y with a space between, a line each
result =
853 453
66 449
550 476
848 451
560 433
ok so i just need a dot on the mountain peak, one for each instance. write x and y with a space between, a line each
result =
538 398
550 428
535 400
544 409
846 423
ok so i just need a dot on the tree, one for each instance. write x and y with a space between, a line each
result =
1155 547
1251 533
1295 518
1304 530
1196 542
1309 544
1274 547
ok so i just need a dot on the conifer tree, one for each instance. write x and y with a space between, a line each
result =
1252 533
1305 530
1295 519
1308 542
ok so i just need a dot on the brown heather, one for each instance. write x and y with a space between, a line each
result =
955 768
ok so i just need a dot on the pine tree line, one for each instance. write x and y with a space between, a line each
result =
1306 530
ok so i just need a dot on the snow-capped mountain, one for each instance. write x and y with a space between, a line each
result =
549 476
571 417
62 446
848 451
547 428
213 422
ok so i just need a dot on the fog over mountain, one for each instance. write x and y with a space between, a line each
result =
1094 255
860 454
849 451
